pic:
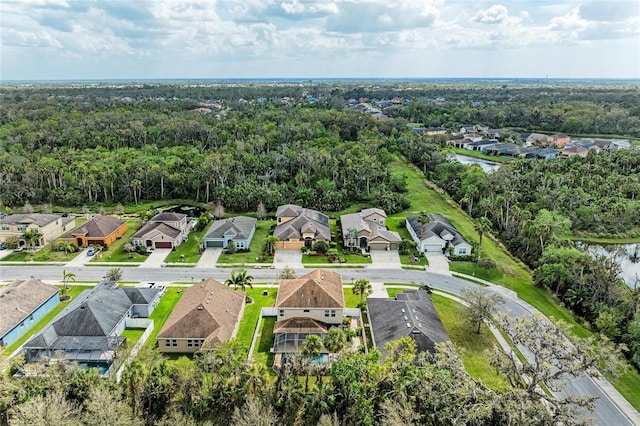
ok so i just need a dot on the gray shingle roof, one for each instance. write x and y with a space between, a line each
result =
238 228
438 225
358 222
410 314
30 219
305 220
157 227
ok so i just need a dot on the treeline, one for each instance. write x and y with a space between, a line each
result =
325 159
219 387
534 206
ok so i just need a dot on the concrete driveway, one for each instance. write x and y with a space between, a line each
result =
438 263
385 259
209 258
155 259
291 258
79 260
4 253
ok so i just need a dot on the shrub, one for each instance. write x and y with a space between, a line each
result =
312 253
321 246
332 251
487 263
304 249
462 258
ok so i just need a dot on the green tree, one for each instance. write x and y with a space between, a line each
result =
129 248
114 274
481 305
239 279
270 245
31 237
363 288
334 340
311 348
66 277
288 273
482 226
67 247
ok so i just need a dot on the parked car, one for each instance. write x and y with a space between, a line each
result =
3 246
91 251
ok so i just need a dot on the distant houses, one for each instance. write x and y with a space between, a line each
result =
298 227
366 230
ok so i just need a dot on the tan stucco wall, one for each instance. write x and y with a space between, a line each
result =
316 314
289 245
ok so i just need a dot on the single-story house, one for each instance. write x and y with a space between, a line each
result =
499 149
164 230
367 230
537 139
410 314
437 235
559 140
101 230
306 305
481 145
239 230
89 329
573 151
22 304
546 153
49 226
297 227
208 312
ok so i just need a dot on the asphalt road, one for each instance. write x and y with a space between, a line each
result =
606 411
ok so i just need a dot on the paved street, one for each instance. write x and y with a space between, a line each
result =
606 411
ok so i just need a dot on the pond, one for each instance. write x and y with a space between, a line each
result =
190 211
627 255
486 165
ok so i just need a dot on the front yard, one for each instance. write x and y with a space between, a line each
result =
47 253
188 251
254 255
116 253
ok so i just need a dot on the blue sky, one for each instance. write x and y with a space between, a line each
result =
103 39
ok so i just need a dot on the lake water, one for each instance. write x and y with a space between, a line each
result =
627 255
487 166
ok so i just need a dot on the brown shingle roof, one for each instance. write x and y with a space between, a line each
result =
317 289
208 310
157 227
98 227
19 299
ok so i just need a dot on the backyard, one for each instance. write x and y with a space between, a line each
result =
162 311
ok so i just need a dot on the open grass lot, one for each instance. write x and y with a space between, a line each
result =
162 311
73 292
515 275
252 313
190 249
471 268
263 228
116 253
262 353
397 223
132 335
46 254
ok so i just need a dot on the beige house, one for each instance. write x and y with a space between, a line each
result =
297 227
367 231
559 140
164 230
307 305
207 313
49 226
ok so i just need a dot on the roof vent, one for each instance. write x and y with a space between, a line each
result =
403 311
200 308
406 318
408 325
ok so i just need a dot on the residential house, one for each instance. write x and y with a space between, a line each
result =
101 230
537 139
309 304
546 153
436 131
164 230
297 227
573 151
481 145
462 142
467 128
208 312
559 140
410 314
437 235
499 149
22 304
495 133
49 226
367 231
89 330
238 230
604 145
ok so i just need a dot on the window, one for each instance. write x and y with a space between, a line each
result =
174 343
167 343
21 227
462 250
333 313
5 227
281 312
326 313
31 317
189 343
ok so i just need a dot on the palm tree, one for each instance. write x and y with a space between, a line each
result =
482 225
114 274
67 247
423 218
352 238
362 287
239 279
311 347
66 277
334 340
270 244
31 237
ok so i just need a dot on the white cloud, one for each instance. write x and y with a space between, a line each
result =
494 15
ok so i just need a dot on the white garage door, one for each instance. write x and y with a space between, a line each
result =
433 248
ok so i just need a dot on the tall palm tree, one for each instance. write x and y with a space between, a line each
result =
239 279
362 287
67 247
66 277
311 347
482 225
334 340
31 237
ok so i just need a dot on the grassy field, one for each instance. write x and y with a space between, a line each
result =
190 249
514 275
116 252
252 313
351 300
37 327
263 228
162 311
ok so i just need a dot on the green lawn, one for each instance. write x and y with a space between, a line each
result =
252 313
263 228
471 268
132 335
262 352
162 311
46 254
190 249
628 384
515 275
116 253
350 299
37 327
350 258
478 154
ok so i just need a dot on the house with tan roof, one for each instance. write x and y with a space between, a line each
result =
101 230
49 226
309 304
366 230
22 304
164 230
297 227
207 313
